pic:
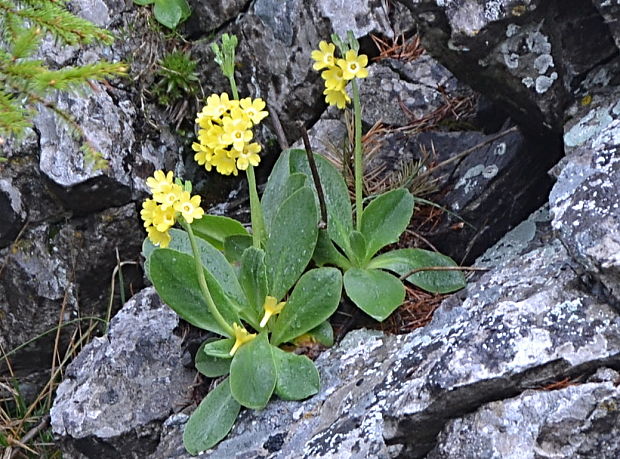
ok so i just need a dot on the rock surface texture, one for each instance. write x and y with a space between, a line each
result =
138 363
524 55
520 364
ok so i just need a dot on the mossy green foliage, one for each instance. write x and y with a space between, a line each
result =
176 77
26 82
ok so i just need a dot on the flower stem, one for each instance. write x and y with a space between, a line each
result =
203 283
359 160
256 211
233 87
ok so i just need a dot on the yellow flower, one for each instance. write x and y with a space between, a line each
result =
168 197
163 219
271 308
160 182
242 336
224 164
203 155
203 119
158 238
338 98
353 66
211 137
334 79
253 109
236 133
189 206
216 105
149 209
324 56
249 156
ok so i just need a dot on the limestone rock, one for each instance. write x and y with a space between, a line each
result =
12 211
524 56
209 15
84 187
122 384
579 422
584 202
61 266
610 10
396 101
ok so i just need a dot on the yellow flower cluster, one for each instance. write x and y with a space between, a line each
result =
169 200
224 137
338 72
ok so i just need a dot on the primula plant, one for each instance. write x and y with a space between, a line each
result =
353 244
252 290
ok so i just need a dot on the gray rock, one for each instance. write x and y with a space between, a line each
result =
579 422
61 266
478 190
362 17
397 101
610 10
84 187
523 238
584 202
12 211
209 15
137 364
520 327
524 56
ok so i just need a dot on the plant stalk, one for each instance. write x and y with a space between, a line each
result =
359 160
256 212
202 281
233 86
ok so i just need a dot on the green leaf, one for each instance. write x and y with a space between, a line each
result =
322 334
219 348
291 242
298 377
325 253
278 188
385 219
358 247
253 373
253 279
375 292
313 300
143 2
215 229
174 277
235 245
339 213
404 261
186 11
274 189
211 367
212 259
212 420
168 12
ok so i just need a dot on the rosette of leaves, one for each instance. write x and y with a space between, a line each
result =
169 13
176 77
370 279
240 277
